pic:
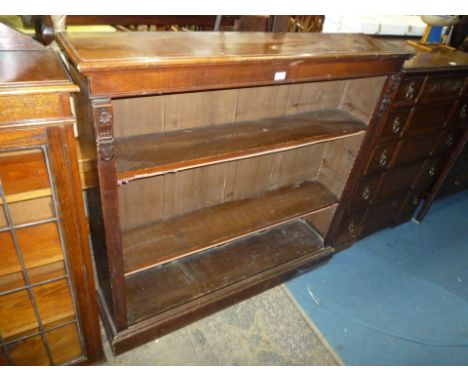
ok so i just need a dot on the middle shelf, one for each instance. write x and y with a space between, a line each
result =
155 154
166 240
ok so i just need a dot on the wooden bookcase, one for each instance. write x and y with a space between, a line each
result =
221 158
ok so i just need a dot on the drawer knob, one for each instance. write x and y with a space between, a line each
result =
463 111
449 141
366 193
396 125
431 171
383 158
415 201
351 227
409 95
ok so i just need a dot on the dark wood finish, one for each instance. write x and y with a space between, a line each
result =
156 244
233 60
220 178
440 180
148 155
418 137
36 115
106 168
167 286
193 310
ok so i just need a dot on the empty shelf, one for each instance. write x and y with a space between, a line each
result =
164 241
160 153
223 270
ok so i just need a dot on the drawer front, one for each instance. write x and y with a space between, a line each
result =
446 141
395 123
396 181
409 205
442 87
408 90
380 158
426 118
459 117
414 149
428 173
382 215
365 192
351 227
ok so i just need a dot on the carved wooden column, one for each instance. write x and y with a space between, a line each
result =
375 125
107 173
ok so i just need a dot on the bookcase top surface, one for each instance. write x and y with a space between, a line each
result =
127 50
33 71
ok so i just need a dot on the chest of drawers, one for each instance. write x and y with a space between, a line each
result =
427 119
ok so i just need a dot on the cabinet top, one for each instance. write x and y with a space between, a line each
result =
437 60
33 71
125 50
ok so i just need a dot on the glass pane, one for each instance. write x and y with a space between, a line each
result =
64 344
54 303
24 174
40 244
10 269
17 316
33 210
30 352
3 221
46 272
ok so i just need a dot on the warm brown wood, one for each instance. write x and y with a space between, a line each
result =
157 154
36 129
64 344
53 301
165 287
102 51
20 109
233 60
33 72
23 172
35 253
156 244
76 235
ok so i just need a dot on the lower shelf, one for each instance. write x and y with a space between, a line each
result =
166 241
218 272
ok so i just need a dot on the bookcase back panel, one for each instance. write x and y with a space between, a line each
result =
360 97
154 114
165 196
338 162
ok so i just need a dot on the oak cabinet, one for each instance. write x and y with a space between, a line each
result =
48 311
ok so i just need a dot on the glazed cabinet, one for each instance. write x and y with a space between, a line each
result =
221 158
48 312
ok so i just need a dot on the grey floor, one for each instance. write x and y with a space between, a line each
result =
268 329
